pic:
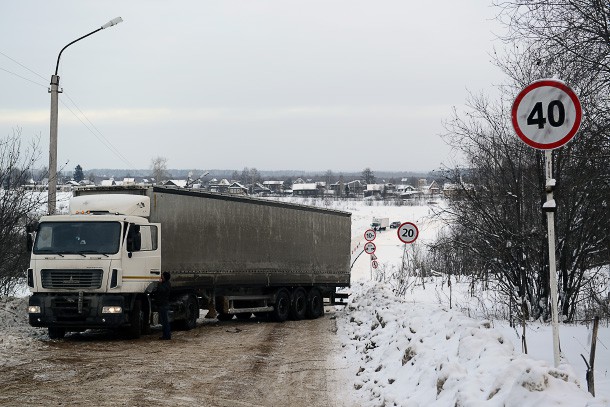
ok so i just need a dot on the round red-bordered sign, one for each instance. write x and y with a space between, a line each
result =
408 232
546 114
370 248
370 235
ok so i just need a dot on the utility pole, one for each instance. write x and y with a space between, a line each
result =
54 91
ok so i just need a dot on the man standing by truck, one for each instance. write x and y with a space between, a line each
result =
161 296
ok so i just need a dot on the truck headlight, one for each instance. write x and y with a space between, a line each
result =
34 309
112 309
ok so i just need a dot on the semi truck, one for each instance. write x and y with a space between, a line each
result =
97 266
380 223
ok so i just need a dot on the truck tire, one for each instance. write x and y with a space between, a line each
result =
146 318
298 305
315 304
136 320
281 308
56 333
192 313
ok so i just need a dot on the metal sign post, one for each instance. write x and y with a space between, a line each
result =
407 233
546 115
369 248
549 208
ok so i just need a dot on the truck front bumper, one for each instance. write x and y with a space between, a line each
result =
76 311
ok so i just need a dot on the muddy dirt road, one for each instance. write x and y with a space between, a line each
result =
232 363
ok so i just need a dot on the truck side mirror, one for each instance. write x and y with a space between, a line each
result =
29 242
30 228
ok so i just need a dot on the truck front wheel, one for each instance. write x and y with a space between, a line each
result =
281 309
136 321
56 333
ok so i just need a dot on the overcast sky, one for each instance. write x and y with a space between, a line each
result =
276 84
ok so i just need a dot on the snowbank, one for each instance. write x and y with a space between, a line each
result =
417 354
17 334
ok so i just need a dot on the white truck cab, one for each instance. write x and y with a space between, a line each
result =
91 268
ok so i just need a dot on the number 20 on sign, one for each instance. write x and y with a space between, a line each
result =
408 232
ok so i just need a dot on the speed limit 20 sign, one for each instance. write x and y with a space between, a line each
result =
408 232
546 114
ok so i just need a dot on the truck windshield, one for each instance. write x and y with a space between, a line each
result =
78 238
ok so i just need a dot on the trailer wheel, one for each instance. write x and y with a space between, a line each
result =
298 306
315 304
189 322
192 313
281 309
56 333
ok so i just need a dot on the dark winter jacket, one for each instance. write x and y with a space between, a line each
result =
161 293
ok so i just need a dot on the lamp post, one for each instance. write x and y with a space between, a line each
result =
54 91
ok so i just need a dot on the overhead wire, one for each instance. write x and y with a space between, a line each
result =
23 66
101 138
22 77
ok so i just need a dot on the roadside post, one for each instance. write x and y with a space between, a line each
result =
407 233
369 236
369 248
546 114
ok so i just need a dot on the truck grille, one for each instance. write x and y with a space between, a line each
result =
66 309
90 278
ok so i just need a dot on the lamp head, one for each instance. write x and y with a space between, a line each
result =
112 22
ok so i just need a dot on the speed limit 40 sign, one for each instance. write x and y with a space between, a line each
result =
546 114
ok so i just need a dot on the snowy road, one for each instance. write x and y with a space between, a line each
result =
230 363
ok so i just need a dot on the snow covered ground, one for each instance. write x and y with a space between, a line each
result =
416 350
417 353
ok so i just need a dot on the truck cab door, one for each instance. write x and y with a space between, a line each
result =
142 250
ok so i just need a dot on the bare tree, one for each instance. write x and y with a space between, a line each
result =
329 177
497 208
576 31
498 225
368 176
18 207
159 169
570 39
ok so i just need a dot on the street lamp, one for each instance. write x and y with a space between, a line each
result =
54 91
